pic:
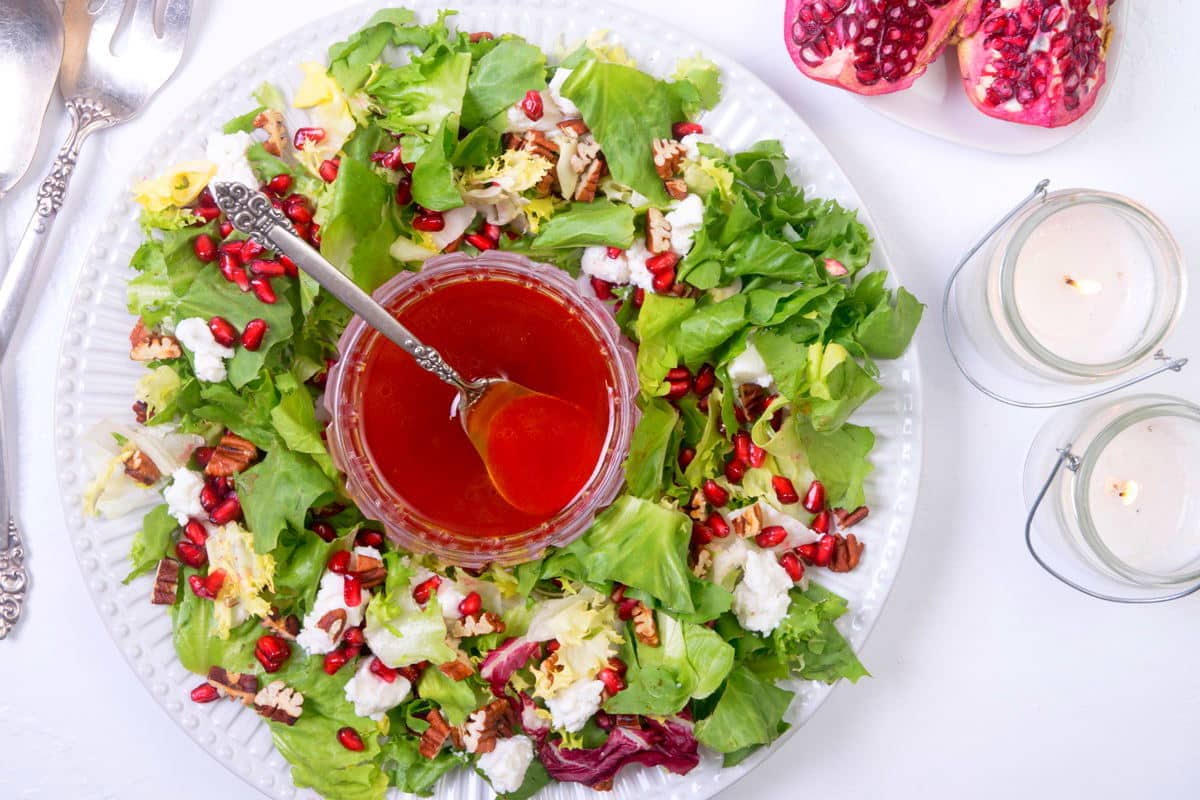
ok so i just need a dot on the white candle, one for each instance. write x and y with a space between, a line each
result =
1144 495
1084 284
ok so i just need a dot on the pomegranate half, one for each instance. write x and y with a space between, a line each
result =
1036 62
871 46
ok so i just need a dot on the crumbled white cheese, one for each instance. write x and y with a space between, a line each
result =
637 199
760 601
572 707
207 356
749 367
599 264
228 152
183 495
686 218
371 695
569 110
636 257
506 765
331 596
449 593
728 556
518 122
691 144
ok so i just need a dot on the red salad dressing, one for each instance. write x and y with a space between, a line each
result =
488 327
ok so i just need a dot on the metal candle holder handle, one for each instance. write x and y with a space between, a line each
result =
1038 193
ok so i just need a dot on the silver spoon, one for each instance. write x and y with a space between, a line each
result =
31 49
480 400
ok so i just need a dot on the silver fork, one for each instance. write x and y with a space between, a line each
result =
101 90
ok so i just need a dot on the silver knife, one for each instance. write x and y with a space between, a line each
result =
31 50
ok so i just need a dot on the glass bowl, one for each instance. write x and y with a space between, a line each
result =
405 525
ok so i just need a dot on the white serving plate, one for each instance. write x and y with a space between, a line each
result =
937 104
96 377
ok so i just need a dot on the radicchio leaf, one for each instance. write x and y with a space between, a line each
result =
501 663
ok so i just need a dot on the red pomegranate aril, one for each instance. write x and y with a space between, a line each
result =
717 525
678 389
203 455
706 379
305 135
303 230
369 539
271 651
253 333
192 554
289 266
314 236
618 666
297 210
251 249
758 456
552 646
212 583
352 591
324 530
821 522
195 532
663 281
792 565
225 229
267 269
531 104
785 490
263 291
205 248
615 252
741 446
280 184
735 470
240 279
404 191
682 129
198 588
354 637
679 374
771 536
662 263
335 660
626 608
205 199
428 221
639 297
471 605
686 455
207 214
422 591
491 231
808 552
714 493
825 547
226 511
205 693
208 497
814 498
701 534
220 484
383 671
480 242
602 288
223 331
611 680
349 739
329 169
339 562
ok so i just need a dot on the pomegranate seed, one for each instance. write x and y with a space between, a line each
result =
272 652
329 169
233 248
480 242
714 493
825 548
552 646
205 248
678 389
471 605
304 230
428 221
758 456
662 262
383 671
404 191
289 267
491 231
223 331
198 587
339 562
532 105
251 249
741 446
225 229
207 214
389 159
412 673
615 252
195 533
792 565
350 739
352 591
205 693
305 135
221 485
639 297
314 235
735 470
205 199
718 525
618 666
354 637
682 129
369 539
324 530
214 582
423 590
820 522
664 280
192 554
679 374
808 552
297 210
706 379
280 184
263 291
611 680
686 455
335 660
226 511
202 455
267 269
208 498
701 534
602 288
626 608
771 536
785 490
253 333
814 498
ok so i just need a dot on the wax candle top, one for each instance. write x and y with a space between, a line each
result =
1084 284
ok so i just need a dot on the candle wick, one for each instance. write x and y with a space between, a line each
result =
1126 491
1083 286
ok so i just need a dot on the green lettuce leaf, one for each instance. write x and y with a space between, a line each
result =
840 459
456 699
888 329
582 224
151 543
748 713
647 459
433 183
809 638
350 61
416 97
194 634
501 78
321 763
411 772
277 493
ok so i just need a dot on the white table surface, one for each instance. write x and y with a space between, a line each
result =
991 680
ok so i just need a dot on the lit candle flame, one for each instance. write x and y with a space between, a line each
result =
1083 286
1127 491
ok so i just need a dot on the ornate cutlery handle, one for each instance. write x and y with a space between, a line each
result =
87 117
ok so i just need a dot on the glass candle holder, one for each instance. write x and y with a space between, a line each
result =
1118 482
1079 287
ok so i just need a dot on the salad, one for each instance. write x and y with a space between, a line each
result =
670 625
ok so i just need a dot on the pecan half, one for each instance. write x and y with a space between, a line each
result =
372 578
586 154
435 735
458 670
279 702
605 785
589 181
668 155
704 560
477 625
288 627
271 122
480 36
658 231
139 467
147 345
847 551
486 725
232 455
574 127
848 519
141 412
333 623
644 626
240 686
166 583
676 187
748 522
697 507
540 145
